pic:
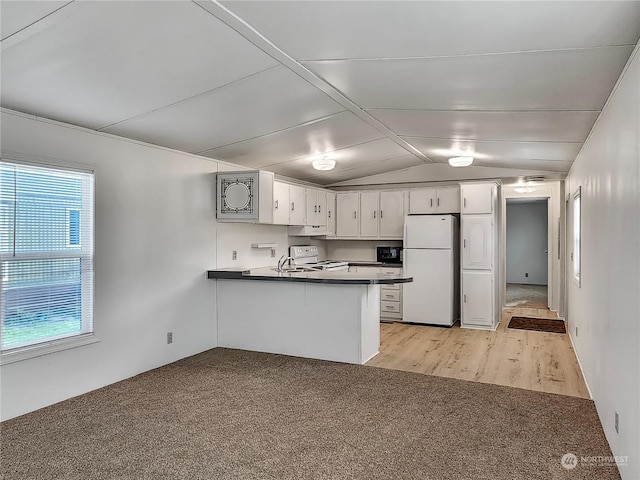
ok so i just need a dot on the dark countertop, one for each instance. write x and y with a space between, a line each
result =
373 264
328 277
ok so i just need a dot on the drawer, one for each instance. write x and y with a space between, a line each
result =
386 306
390 270
392 295
393 286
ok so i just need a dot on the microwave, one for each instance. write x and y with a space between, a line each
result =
389 254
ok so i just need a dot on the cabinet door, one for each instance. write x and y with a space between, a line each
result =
347 214
477 197
312 206
280 203
477 299
448 199
477 241
321 201
297 208
424 200
331 214
369 216
391 214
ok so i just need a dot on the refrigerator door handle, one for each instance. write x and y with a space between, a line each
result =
465 298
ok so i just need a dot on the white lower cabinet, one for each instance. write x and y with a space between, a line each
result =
390 298
477 299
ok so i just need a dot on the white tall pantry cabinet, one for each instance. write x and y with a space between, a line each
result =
479 258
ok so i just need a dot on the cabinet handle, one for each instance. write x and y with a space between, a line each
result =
464 243
276 204
319 209
464 202
438 204
354 214
389 296
374 214
329 214
293 206
431 200
465 298
388 307
315 209
380 213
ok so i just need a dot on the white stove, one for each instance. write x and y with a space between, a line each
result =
307 255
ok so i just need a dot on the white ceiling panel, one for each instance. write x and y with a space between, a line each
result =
550 80
313 30
264 103
557 126
347 158
543 165
390 165
109 61
339 131
16 15
440 150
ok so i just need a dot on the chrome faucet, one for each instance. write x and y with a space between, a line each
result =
283 260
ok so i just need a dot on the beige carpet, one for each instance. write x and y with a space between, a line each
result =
520 295
244 415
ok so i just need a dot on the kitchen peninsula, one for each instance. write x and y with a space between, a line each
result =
314 314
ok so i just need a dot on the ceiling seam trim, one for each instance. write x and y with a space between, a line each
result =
257 39
188 98
465 55
492 141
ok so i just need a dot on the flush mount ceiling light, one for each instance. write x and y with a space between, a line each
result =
323 163
460 161
524 186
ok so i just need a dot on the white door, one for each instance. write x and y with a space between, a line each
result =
477 242
477 299
297 207
391 214
369 206
448 199
347 217
429 298
312 206
321 201
331 214
428 231
280 203
477 197
423 200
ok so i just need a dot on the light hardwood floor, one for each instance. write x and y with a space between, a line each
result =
538 361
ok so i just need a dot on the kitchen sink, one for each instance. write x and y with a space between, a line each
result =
295 269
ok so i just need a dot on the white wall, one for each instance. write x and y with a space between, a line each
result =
156 235
606 306
527 243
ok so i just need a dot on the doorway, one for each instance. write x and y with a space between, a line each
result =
527 249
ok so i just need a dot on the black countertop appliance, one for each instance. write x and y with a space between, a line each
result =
389 254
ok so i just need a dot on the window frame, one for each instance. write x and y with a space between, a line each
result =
83 337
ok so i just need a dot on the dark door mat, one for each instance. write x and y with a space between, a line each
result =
538 324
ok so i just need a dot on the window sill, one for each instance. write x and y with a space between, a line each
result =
47 348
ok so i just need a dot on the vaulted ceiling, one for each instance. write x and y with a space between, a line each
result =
376 85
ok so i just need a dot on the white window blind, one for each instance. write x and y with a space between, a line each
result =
46 254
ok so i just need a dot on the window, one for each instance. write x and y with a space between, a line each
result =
576 235
46 254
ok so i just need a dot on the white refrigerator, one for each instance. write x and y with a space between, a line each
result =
431 257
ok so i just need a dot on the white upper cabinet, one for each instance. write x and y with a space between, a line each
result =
477 242
391 214
347 214
245 196
369 214
435 200
316 207
331 214
280 203
477 197
297 205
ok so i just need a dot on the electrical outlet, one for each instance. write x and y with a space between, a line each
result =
169 337
234 255
273 253
617 422
526 274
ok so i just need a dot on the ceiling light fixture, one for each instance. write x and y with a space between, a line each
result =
460 161
524 186
323 163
